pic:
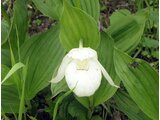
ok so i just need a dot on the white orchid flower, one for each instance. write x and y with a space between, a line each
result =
82 71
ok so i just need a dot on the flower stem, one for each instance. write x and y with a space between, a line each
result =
89 114
81 43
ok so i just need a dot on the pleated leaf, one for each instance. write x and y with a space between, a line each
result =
5 57
125 104
21 19
50 8
9 99
18 26
75 26
14 69
53 8
5 31
4 71
141 82
91 7
44 53
77 110
127 29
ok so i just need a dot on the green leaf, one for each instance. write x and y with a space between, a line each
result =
45 53
75 26
59 87
150 43
4 71
59 101
77 110
50 8
5 57
22 98
155 54
105 55
10 99
18 27
127 29
53 8
32 118
91 7
141 82
19 21
128 106
16 67
96 118
5 31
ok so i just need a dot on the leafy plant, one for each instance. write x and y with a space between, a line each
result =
127 50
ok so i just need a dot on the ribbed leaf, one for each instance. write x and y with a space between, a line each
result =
50 8
4 71
10 99
19 21
5 57
91 7
18 26
127 29
128 106
76 25
44 52
77 110
53 8
15 68
141 82
5 31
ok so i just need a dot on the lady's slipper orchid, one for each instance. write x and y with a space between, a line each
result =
82 71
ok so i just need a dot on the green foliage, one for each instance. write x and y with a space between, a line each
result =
50 8
128 106
91 7
4 71
44 52
78 28
5 57
77 110
10 99
60 99
12 71
54 8
5 31
141 82
127 29
59 87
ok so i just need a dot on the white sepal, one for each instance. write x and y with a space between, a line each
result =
106 75
61 71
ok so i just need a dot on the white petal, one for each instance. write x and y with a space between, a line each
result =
106 75
61 71
82 53
84 82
